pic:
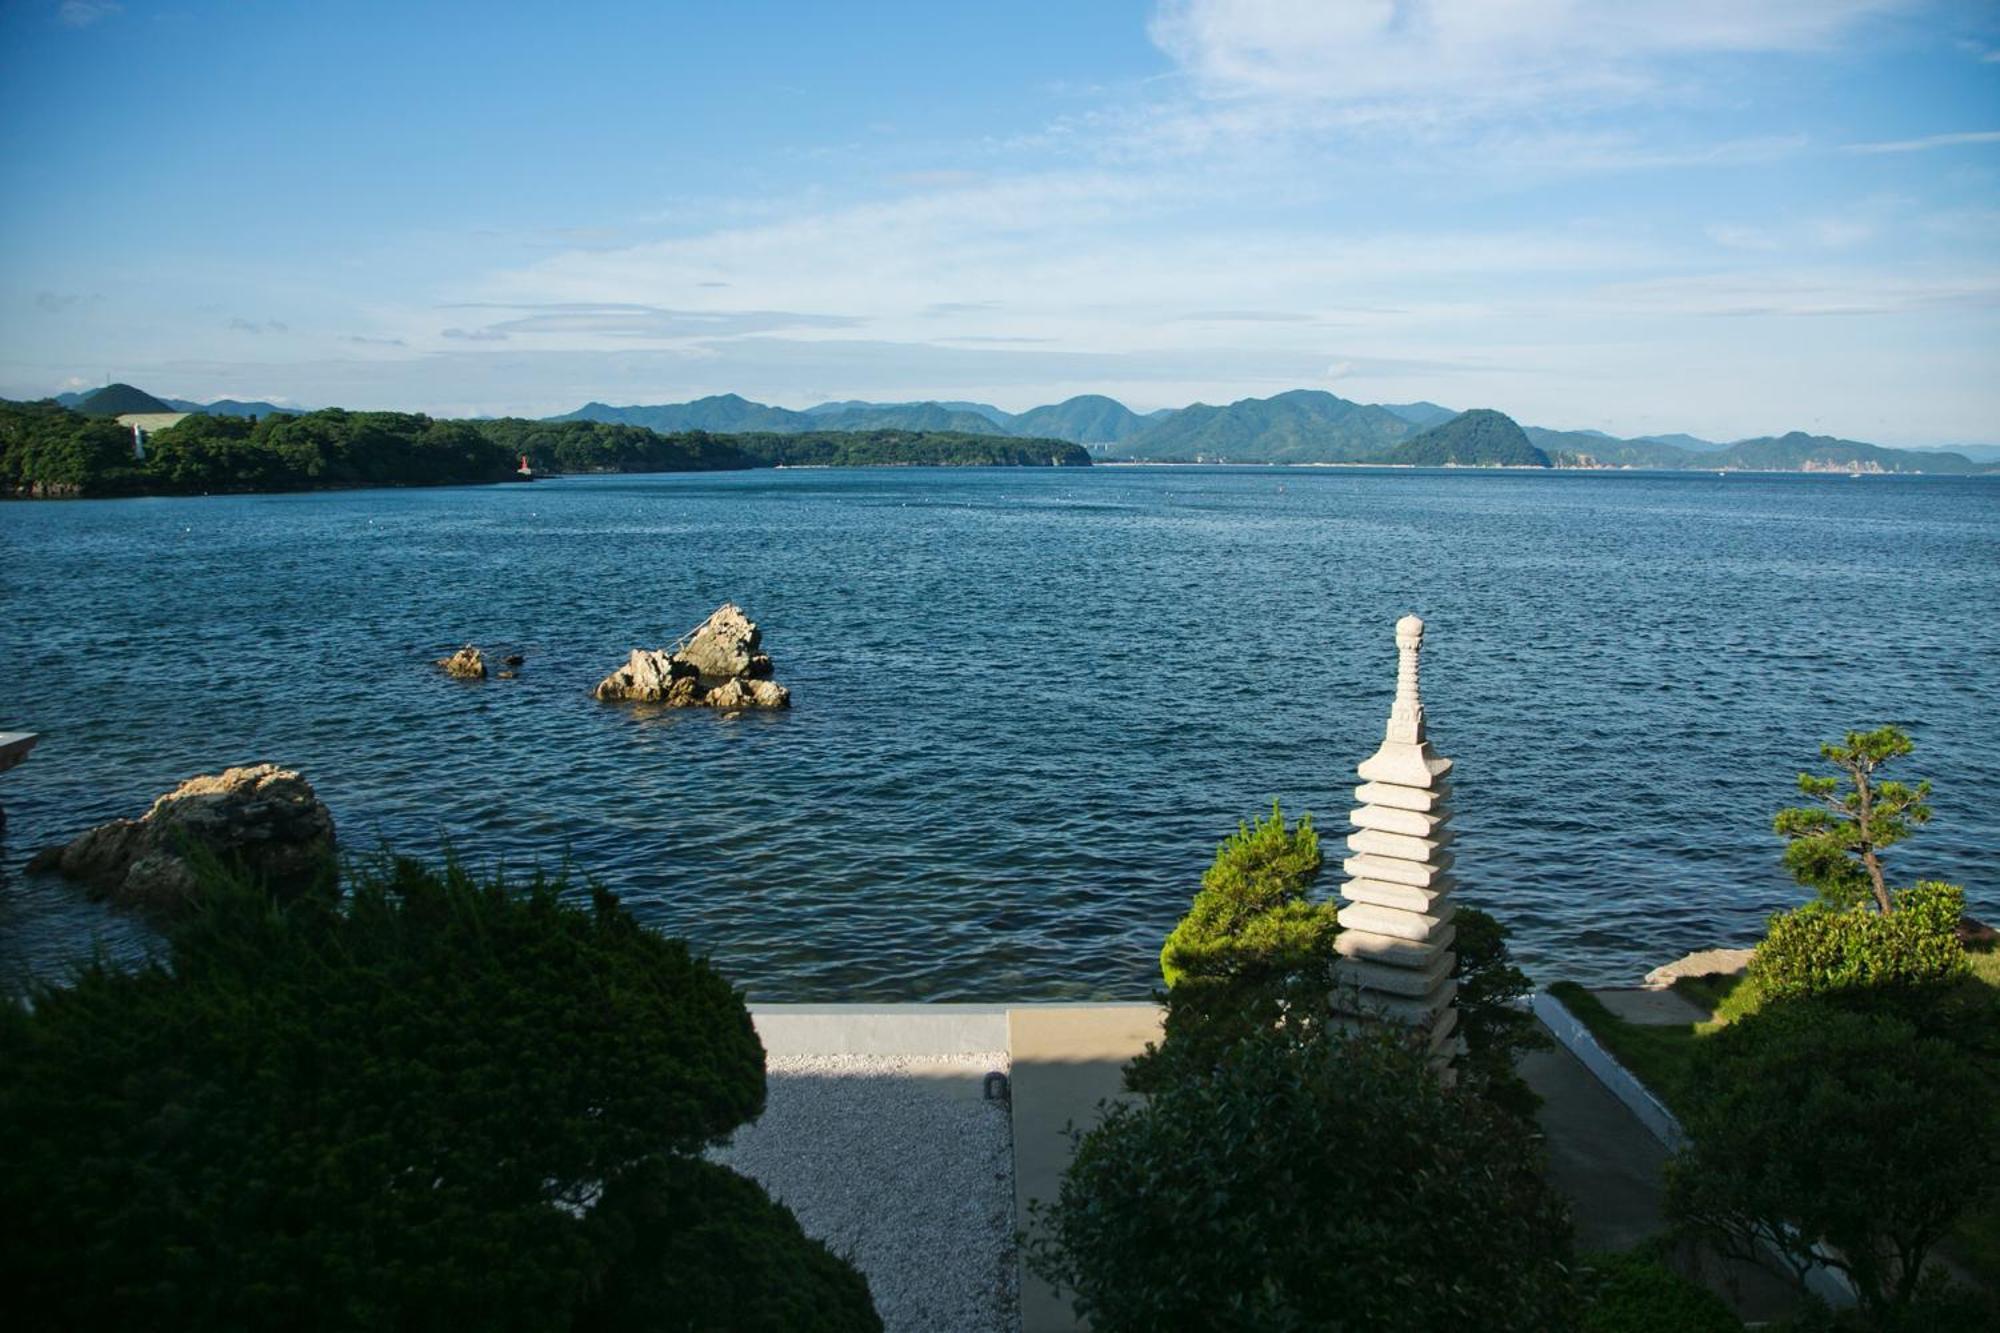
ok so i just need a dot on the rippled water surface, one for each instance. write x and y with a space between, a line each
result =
1027 703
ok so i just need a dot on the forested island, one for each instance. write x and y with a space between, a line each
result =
49 450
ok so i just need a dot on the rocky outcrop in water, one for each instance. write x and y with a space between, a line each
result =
263 818
720 665
468 663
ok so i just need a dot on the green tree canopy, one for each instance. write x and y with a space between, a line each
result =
423 1106
1835 844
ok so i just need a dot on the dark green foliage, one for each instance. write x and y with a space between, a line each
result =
1326 1183
46 450
393 1110
1635 1292
695 1246
595 446
1253 950
1905 957
903 448
1479 438
1816 1125
1497 1030
1835 844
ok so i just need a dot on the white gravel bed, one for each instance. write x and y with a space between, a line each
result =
898 1165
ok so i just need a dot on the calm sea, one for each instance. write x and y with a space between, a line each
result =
1027 703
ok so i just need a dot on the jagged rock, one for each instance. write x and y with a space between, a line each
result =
725 646
647 676
719 666
264 818
468 663
513 659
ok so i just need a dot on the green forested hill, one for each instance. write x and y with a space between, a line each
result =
1479 438
1800 452
1088 418
117 399
1303 426
49 450
878 448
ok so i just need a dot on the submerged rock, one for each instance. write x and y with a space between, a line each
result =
263 818
468 663
720 665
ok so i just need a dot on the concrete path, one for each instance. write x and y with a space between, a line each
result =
1067 1059
1607 1165
1652 1008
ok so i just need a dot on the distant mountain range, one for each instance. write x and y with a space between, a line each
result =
116 400
1300 426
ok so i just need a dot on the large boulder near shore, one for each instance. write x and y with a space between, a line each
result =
262 818
720 665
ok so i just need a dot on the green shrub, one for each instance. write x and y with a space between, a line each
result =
697 1246
1252 953
1821 950
1497 1030
1326 1183
1816 1125
396 1110
1636 1292
1251 915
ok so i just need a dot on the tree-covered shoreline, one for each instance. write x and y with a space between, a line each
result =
49 451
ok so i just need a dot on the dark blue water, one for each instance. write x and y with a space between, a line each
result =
1027 703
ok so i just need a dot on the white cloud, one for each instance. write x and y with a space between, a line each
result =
1490 50
83 13
1926 143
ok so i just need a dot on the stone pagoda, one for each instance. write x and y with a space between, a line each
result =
1396 930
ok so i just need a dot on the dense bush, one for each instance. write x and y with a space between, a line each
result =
1817 1125
1253 952
1907 954
1324 1183
1497 1030
396 1110
1635 1292
696 1246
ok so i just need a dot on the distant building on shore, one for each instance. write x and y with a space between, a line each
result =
143 424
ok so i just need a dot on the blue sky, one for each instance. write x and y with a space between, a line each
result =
1729 217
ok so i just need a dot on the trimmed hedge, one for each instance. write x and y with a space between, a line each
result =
398 1110
1821 950
1329 1183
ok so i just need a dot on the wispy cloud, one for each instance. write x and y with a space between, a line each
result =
624 319
1929 141
83 13
1493 51
241 325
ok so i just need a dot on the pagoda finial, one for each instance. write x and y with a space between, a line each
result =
1406 715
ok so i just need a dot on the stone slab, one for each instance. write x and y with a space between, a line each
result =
1395 921
1398 797
1704 963
1409 823
1406 982
1367 946
14 747
1419 875
1402 897
1067 1060
1401 846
